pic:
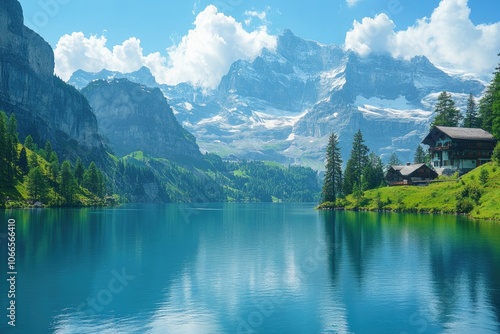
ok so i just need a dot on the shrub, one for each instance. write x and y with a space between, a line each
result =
472 191
483 176
464 205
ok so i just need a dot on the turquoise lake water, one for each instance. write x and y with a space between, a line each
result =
250 268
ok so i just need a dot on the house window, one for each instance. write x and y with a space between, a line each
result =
436 163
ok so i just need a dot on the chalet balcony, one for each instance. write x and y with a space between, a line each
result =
469 155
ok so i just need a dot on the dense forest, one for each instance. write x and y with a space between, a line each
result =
140 178
34 176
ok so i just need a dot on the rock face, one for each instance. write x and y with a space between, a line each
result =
133 117
283 105
45 106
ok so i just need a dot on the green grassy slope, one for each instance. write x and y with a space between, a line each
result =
477 196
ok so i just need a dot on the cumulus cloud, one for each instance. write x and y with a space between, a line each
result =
202 57
448 38
205 54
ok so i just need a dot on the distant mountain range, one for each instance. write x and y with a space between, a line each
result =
127 128
284 104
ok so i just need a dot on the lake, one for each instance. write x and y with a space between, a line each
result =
250 268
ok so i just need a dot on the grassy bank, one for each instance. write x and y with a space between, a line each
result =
476 194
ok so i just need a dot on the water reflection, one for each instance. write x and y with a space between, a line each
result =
431 273
253 268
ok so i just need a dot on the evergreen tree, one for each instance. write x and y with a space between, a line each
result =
373 173
36 184
333 174
33 161
12 141
471 119
47 151
93 180
495 109
53 165
23 161
489 105
79 171
29 143
355 165
394 160
3 151
67 183
446 112
12 129
420 156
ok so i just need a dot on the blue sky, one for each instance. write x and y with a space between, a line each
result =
165 24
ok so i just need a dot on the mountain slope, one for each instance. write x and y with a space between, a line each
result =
133 117
45 106
284 104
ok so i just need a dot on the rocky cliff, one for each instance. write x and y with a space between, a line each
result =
45 106
283 105
133 117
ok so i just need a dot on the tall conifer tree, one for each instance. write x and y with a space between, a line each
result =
355 165
446 112
471 119
332 186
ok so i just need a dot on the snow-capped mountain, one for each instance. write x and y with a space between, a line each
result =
284 104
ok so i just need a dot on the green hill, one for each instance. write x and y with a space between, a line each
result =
476 194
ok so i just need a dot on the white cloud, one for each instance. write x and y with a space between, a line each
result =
253 14
352 3
371 35
448 38
202 57
261 15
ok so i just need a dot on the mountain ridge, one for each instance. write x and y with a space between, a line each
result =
283 105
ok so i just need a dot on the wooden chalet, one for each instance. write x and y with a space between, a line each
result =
461 149
409 174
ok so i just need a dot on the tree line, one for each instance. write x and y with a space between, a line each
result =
364 170
36 173
485 114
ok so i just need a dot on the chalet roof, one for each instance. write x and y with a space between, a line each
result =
406 170
457 133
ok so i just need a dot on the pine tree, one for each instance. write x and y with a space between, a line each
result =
3 151
36 184
53 165
12 129
79 171
471 119
394 160
67 183
355 165
47 151
23 161
93 180
495 108
373 173
12 141
488 112
446 112
420 156
29 143
332 185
